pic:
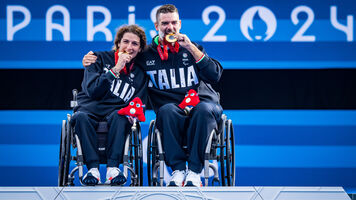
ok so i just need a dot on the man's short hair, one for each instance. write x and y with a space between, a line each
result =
168 8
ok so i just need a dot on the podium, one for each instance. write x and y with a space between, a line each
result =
174 193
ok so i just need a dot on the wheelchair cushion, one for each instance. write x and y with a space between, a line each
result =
102 127
134 109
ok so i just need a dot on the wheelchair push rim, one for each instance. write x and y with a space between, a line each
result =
65 152
137 157
230 155
61 155
152 153
227 154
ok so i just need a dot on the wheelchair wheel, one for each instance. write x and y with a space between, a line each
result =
230 155
67 155
152 153
135 156
138 157
61 154
227 154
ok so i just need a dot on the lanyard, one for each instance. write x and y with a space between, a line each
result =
164 54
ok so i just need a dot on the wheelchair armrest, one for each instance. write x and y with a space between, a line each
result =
221 124
74 102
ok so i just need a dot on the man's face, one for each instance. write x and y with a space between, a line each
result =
167 23
130 43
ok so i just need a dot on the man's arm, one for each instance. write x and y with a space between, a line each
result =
96 82
185 42
89 59
210 69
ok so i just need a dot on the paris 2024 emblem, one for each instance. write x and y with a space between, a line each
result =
258 23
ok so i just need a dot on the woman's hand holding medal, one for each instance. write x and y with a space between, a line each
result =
123 58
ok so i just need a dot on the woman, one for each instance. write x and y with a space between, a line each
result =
108 85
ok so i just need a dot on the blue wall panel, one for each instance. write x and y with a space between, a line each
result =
273 147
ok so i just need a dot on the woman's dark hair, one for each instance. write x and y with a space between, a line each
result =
130 29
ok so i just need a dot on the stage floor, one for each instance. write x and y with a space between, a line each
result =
177 193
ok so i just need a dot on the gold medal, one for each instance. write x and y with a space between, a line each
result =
171 38
121 52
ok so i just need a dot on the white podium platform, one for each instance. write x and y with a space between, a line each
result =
174 193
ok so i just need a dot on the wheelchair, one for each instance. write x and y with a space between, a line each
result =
70 150
220 147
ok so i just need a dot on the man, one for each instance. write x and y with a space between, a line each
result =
174 68
172 73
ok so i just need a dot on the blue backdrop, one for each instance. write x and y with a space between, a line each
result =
242 34
273 147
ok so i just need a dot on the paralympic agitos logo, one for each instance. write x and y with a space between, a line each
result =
250 27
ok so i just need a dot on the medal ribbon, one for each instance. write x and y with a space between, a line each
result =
175 48
164 54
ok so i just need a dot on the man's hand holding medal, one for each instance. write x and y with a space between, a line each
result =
182 39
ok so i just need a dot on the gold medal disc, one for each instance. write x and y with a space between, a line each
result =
170 38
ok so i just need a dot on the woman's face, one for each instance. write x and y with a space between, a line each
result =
130 43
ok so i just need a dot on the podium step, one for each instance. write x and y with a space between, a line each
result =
174 193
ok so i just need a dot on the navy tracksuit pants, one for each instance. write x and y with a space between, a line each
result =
85 125
175 127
